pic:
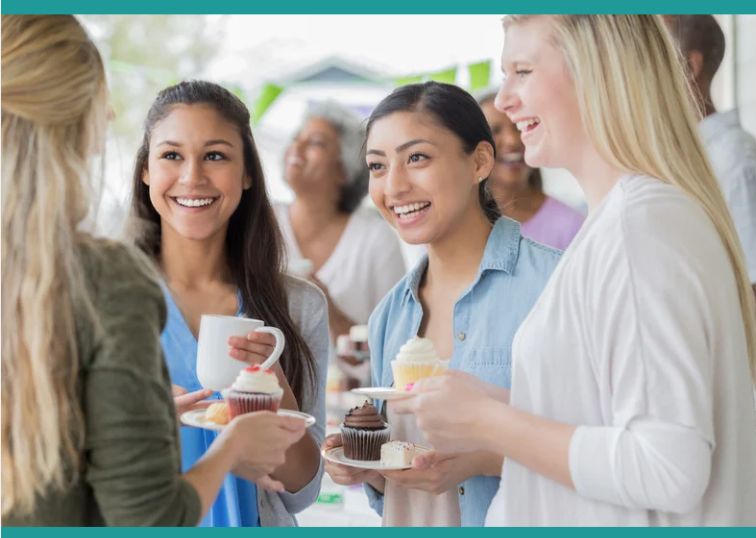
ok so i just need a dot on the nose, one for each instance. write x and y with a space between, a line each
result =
397 182
506 100
191 173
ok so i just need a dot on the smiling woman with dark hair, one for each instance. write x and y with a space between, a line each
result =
199 187
430 152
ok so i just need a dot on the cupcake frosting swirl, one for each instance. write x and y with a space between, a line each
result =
417 350
365 417
255 379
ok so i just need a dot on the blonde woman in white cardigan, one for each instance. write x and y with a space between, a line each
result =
632 390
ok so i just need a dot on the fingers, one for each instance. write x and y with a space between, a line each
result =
201 405
192 398
332 441
346 476
430 458
249 351
266 482
408 406
178 391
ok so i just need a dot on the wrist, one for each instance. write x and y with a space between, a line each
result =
378 483
491 431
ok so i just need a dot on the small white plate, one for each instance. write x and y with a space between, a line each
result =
197 419
336 455
383 393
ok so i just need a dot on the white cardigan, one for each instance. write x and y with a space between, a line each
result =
638 339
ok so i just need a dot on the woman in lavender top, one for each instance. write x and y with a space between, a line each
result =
518 189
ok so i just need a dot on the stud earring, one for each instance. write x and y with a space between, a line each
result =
481 179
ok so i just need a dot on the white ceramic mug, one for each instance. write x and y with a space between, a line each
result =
216 369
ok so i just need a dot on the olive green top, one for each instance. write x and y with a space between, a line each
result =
130 465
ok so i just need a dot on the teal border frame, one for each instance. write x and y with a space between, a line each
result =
418 7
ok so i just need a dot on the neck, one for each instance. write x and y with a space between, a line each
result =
312 212
596 177
192 264
457 258
518 201
708 107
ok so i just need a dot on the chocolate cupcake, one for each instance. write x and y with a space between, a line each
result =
363 433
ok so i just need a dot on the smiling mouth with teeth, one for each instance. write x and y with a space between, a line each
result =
511 157
194 202
528 125
410 210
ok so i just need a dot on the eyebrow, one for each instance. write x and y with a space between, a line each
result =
219 141
400 148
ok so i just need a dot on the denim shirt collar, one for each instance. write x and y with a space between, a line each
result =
502 249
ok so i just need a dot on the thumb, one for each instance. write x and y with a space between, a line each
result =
332 440
428 459
266 482
293 424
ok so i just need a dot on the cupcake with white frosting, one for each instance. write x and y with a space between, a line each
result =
416 359
255 389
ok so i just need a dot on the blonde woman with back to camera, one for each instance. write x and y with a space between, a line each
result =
632 384
89 430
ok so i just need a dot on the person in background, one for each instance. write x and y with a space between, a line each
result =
356 257
206 221
518 188
633 375
89 429
731 149
430 152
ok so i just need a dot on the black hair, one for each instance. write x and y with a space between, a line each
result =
453 108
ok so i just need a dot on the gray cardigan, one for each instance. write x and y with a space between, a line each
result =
309 310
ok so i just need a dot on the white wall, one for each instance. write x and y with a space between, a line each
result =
745 70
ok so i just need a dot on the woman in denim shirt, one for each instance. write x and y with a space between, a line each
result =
430 151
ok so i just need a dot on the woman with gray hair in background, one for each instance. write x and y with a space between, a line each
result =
356 257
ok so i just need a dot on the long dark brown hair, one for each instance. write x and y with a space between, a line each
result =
254 243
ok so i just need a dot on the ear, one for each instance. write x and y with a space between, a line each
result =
695 64
484 160
246 182
146 176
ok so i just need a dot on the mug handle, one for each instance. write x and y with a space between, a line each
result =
280 343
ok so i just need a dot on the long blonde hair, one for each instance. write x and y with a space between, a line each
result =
53 116
640 113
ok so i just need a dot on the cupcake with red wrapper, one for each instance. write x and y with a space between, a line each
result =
255 389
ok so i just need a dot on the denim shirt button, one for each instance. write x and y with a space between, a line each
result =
461 336
461 490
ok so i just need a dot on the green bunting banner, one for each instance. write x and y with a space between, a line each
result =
268 94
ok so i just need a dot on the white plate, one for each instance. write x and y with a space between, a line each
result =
383 393
197 419
336 455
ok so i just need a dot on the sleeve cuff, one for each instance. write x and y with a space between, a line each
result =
590 464
305 497
375 498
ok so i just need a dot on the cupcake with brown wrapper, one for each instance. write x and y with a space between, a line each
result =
363 433
255 389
